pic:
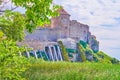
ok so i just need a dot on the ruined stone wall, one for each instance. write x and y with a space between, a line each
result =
39 34
61 28
46 34
78 31
94 44
36 44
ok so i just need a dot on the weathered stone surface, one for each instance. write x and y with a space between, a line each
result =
94 44
69 43
89 55
63 28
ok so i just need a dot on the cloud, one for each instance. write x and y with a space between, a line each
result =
103 17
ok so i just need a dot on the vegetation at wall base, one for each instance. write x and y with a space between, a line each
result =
81 52
71 50
84 44
64 51
99 56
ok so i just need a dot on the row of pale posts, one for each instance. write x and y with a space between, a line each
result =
50 53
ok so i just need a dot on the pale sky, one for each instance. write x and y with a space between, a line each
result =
103 17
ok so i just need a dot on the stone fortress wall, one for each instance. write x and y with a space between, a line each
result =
62 27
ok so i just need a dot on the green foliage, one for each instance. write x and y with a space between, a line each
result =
82 52
95 44
11 64
1 34
71 50
12 25
0 2
115 61
99 56
72 71
84 44
100 53
38 12
44 56
104 58
64 52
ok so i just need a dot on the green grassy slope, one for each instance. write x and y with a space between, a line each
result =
99 56
72 71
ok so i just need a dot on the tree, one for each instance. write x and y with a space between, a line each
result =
6 5
11 65
38 12
12 26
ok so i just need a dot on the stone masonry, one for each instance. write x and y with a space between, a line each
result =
61 28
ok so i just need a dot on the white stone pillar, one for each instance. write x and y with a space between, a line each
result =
59 53
51 53
35 54
55 53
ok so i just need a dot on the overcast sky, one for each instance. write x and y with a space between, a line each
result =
103 17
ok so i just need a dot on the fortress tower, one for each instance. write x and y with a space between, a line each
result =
61 22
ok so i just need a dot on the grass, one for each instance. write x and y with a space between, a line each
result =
72 71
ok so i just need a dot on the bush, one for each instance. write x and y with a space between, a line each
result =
115 61
64 52
71 50
81 52
11 64
103 55
84 44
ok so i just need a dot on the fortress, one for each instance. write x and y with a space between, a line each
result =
61 28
